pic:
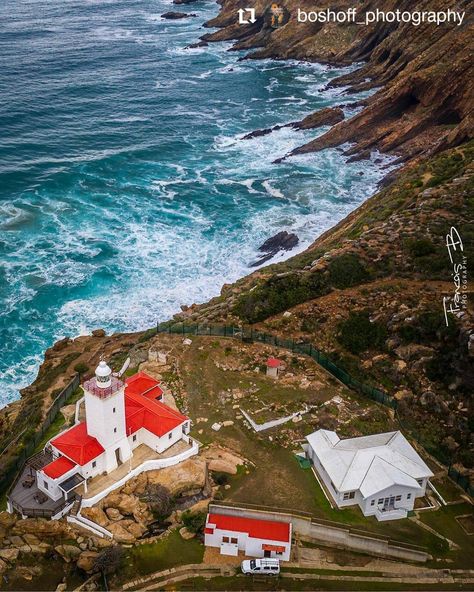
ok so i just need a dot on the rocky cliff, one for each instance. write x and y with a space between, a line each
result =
424 74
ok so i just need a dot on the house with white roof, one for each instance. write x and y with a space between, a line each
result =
254 537
382 473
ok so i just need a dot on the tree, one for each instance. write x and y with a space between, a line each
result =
109 560
158 499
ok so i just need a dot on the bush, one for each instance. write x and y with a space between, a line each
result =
279 293
81 368
358 334
347 270
220 478
194 521
420 247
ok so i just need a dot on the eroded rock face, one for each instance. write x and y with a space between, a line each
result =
96 514
189 475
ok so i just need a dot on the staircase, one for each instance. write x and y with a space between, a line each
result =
75 508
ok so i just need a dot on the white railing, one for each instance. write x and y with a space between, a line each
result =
147 465
392 514
84 522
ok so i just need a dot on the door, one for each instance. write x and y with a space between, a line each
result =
267 553
117 456
389 503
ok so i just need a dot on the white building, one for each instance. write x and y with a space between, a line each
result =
119 417
256 538
382 473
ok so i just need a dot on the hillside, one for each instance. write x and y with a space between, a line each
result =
370 292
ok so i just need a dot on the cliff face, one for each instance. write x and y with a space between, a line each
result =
426 72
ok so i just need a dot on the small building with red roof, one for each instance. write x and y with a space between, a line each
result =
119 417
254 537
273 367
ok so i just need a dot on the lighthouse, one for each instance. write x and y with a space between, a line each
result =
105 415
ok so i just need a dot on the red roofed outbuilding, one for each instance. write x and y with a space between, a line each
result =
273 367
254 537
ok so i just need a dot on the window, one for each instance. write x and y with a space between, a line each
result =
349 495
398 498
420 482
380 500
113 410
408 495
372 503
225 539
134 438
94 464
115 430
234 540
170 435
278 553
45 485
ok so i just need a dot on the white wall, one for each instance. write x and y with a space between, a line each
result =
106 422
156 443
51 486
252 547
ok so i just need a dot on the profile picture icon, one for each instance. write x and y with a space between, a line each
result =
276 15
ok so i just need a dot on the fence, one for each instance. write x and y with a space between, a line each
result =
248 334
29 447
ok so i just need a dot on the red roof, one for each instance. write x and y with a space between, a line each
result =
142 384
154 416
276 548
58 467
76 444
273 363
257 529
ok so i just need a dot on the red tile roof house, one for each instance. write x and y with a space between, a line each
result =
256 538
119 418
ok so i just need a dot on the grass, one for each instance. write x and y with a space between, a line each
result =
241 582
444 521
167 552
448 489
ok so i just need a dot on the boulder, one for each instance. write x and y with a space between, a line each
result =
86 560
186 534
120 534
40 527
186 476
113 514
9 555
173 15
222 460
137 529
7 520
282 241
128 505
68 552
136 485
98 333
95 514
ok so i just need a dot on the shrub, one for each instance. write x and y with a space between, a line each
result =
220 478
194 521
420 247
81 368
347 270
358 333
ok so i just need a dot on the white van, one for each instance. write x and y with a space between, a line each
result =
268 567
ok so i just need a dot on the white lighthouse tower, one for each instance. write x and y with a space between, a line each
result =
105 415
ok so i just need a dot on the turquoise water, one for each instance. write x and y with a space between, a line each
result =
125 189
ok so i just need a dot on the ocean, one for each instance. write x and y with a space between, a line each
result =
125 187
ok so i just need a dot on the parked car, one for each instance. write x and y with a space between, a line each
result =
269 567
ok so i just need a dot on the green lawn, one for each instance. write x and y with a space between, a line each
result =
168 552
246 583
447 489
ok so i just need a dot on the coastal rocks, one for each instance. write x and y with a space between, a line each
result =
282 241
222 460
176 15
99 333
328 116
121 534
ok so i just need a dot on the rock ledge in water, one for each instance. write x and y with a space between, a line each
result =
282 241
